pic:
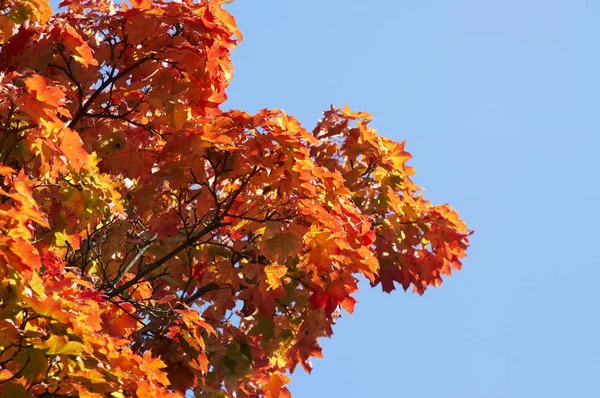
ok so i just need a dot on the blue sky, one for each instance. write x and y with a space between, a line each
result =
499 104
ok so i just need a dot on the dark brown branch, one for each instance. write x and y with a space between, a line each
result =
158 263
18 373
191 240
122 118
83 109
201 292
138 255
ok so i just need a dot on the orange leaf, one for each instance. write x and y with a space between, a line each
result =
75 43
27 255
43 93
5 374
275 387
72 147
152 366
200 363
141 4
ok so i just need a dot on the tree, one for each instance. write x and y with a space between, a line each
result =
153 244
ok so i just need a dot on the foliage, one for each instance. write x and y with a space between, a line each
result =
153 244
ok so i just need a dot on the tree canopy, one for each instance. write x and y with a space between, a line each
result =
154 244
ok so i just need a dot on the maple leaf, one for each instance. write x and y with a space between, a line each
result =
275 386
279 244
142 4
152 365
57 345
26 257
37 85
73 41
72 147
274 274
200 363
120 321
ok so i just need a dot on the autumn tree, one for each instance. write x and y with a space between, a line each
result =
153 244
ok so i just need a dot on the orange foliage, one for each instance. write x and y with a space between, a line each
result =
152 243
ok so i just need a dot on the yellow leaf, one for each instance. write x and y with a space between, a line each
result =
57 345
274 274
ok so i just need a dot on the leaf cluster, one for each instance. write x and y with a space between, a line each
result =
153 244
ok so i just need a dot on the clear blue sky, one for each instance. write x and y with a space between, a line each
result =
499 102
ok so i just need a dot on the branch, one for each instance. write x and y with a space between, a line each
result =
131 263
213 225
158 263
83 109
201 292
18 373
122 117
